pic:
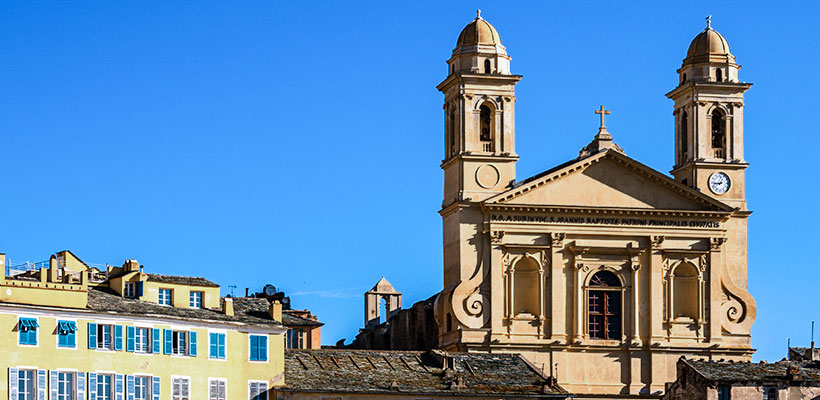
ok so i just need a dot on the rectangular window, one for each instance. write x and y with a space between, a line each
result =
296 338
26 384
217 345
128 290
65 386
724 392
196 299
258 390
105 389
259 348
105 337
67 334
179 389
216 389
142 341
180 343
142 388
27 331
165 297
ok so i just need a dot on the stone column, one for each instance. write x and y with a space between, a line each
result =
579 303
635 338
656 290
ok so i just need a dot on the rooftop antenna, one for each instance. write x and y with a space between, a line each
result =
232 288
812 337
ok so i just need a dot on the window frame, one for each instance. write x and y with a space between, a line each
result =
148 386
250 347
61 385
111 388
169 300
148 340
297 334
259 385
74 334
32 387
224 382
181 379
194 297
621 289
224 345
21 330
101 337
129 290
180 343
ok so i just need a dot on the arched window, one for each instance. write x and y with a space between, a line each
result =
488 67
719 75
605 306
526 287
683 79
718 134
486 127
452 127
685 287
684 135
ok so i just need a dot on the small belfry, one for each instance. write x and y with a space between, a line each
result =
709 119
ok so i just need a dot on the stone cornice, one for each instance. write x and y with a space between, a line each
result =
606 211
487 157
462 78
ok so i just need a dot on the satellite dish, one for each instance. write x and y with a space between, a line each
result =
269 290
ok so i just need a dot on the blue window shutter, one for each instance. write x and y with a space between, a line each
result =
169 341
92 337
129 338
92 385
118 337
254 348
139 289
32 336
221 337
155 341
192 345
263 348
42 384
118 387
52 384
13 377
129 387
80 386
213 345
72 338
156 388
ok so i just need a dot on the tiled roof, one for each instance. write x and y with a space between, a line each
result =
722 371
367 371
181 280
105 300
290 319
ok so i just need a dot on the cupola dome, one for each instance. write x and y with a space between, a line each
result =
709 46
478 32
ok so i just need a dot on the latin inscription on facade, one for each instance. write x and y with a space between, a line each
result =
576 220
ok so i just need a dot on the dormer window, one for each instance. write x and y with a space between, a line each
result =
196 299
128 290
164 298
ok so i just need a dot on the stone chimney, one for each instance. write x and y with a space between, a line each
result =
275 310
227 306
131 265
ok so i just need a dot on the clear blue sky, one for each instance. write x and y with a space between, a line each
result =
298 143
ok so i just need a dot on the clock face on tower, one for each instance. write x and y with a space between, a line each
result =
719 183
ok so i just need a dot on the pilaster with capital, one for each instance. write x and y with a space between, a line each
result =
715 259
656 290
558 285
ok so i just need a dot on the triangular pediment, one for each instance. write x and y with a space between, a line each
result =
608 179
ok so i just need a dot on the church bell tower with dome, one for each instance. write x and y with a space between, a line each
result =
709 120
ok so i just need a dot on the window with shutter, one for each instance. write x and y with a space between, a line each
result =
216 389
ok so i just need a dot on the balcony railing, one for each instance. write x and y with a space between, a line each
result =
487 147
720 153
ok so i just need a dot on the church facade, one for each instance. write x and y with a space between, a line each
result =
601 270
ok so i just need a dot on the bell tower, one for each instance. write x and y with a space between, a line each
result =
479 116
709 120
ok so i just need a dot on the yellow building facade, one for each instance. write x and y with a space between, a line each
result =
75 332
601 270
